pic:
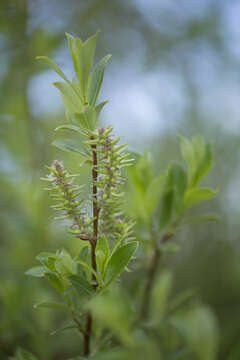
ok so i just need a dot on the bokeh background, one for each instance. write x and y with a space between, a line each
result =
175 69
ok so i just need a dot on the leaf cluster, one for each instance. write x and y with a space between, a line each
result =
163 202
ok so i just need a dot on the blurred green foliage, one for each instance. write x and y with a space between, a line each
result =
194 46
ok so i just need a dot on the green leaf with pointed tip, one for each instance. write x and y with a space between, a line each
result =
119 260
69 145
102 252
47 259
166 207
89 268
205 160
96 79
87 118
143 172
81 284
198 156
64 264
73 128
153 194
53 65
37 271
177 178
197 195
51 305
44 256
55 281
159 296
85 62
82 55
75 46
71 100
99 108
188 153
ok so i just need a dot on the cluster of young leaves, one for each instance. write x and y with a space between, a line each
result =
162 202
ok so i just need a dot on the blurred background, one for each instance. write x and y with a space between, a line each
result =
175 69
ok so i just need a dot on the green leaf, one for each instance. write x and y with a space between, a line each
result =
56 282
37 271
84 253
47 259
82 55
87 118
75 46
177 178
160 295
44 256
85 62
72 128
99 107
51 305
119 260
102 253
96 79
53 65
89 268
197 195
144 171
68 145
205 161
198 156
199 328
166 207
153 194
81 284
64 263
112 310
188 154
71 100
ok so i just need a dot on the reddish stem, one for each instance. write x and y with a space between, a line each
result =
93 243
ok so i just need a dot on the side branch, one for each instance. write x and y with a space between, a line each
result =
151 275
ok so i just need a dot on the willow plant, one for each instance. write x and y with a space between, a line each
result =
98 219
104 222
